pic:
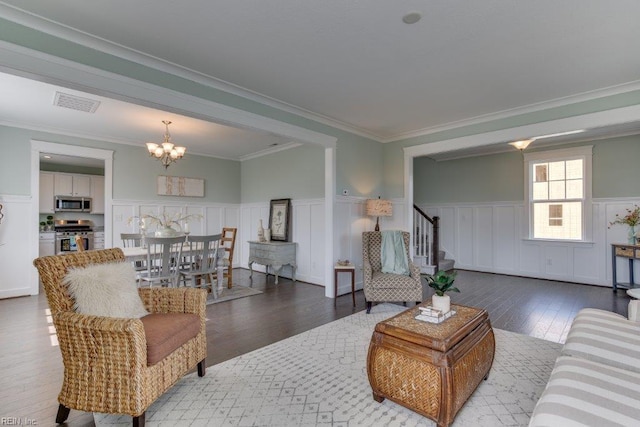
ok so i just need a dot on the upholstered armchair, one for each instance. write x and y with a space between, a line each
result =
117 365
379 286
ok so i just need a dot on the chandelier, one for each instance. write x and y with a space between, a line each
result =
166 152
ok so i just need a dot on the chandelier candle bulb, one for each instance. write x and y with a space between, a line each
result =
168 152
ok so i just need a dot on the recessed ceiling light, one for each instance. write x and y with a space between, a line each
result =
411 17
46 156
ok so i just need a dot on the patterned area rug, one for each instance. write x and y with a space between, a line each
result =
319 378
235 292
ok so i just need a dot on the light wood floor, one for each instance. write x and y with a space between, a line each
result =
31 365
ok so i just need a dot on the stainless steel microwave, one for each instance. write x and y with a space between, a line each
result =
72 204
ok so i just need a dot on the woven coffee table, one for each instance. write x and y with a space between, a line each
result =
429 368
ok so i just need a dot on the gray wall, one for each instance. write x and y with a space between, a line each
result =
500 177
134 172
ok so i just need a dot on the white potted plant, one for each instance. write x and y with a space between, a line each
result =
442 282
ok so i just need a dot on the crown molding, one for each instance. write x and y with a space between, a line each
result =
94 137
73 35
532 108
93 42
276 149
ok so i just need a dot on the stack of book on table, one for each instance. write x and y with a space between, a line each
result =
433 315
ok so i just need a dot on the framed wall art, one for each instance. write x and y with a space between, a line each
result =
280 219
180 186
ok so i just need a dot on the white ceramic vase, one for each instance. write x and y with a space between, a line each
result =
260 232
166 232
267 234
442 303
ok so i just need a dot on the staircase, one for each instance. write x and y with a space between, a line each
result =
427 243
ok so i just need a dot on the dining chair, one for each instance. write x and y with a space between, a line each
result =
131 240
200 261
163 259
228 242
79 243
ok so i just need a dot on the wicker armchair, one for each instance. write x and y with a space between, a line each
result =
379 286
105 359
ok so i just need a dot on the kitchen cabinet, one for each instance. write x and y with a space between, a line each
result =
46 192
97 194
47 244
72 185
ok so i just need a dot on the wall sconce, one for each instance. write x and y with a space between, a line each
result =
379 207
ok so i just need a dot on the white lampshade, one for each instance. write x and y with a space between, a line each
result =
379 207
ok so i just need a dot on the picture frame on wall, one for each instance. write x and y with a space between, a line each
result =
280 219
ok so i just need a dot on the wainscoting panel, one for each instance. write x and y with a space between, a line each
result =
250 216
483 244
212 223
350 221
17 232
214 217
301 216
530 260
316 238
308 234
465 220
491 237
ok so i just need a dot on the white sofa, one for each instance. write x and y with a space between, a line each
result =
596 379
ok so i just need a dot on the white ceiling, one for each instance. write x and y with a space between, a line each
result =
351 63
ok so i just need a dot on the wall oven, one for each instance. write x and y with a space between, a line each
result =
72 204
66 231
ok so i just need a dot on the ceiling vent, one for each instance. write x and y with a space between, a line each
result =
74 102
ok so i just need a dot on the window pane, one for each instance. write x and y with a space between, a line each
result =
540 173
556 171
540 191
574 189
556 190
574 169
571 228
555 211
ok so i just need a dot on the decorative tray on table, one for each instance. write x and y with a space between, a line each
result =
433 315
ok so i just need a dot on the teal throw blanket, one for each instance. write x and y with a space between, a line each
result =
393 253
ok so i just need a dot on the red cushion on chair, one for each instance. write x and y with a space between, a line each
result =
165 332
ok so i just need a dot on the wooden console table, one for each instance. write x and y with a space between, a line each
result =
274 254
630 252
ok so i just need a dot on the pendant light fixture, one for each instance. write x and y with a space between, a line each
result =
166 152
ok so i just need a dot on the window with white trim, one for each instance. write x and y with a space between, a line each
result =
558 187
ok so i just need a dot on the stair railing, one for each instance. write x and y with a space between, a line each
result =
425 246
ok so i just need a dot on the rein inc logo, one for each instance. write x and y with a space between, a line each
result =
16 421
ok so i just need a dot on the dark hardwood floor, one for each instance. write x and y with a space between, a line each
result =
31 365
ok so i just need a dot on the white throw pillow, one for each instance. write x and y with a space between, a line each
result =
106 290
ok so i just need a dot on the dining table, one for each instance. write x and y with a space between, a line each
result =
138 253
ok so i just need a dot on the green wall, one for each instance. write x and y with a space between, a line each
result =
134 172
474 179
290 174
500 177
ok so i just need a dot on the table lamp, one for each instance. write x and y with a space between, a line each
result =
379 207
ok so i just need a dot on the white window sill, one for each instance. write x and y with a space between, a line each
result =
578 242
